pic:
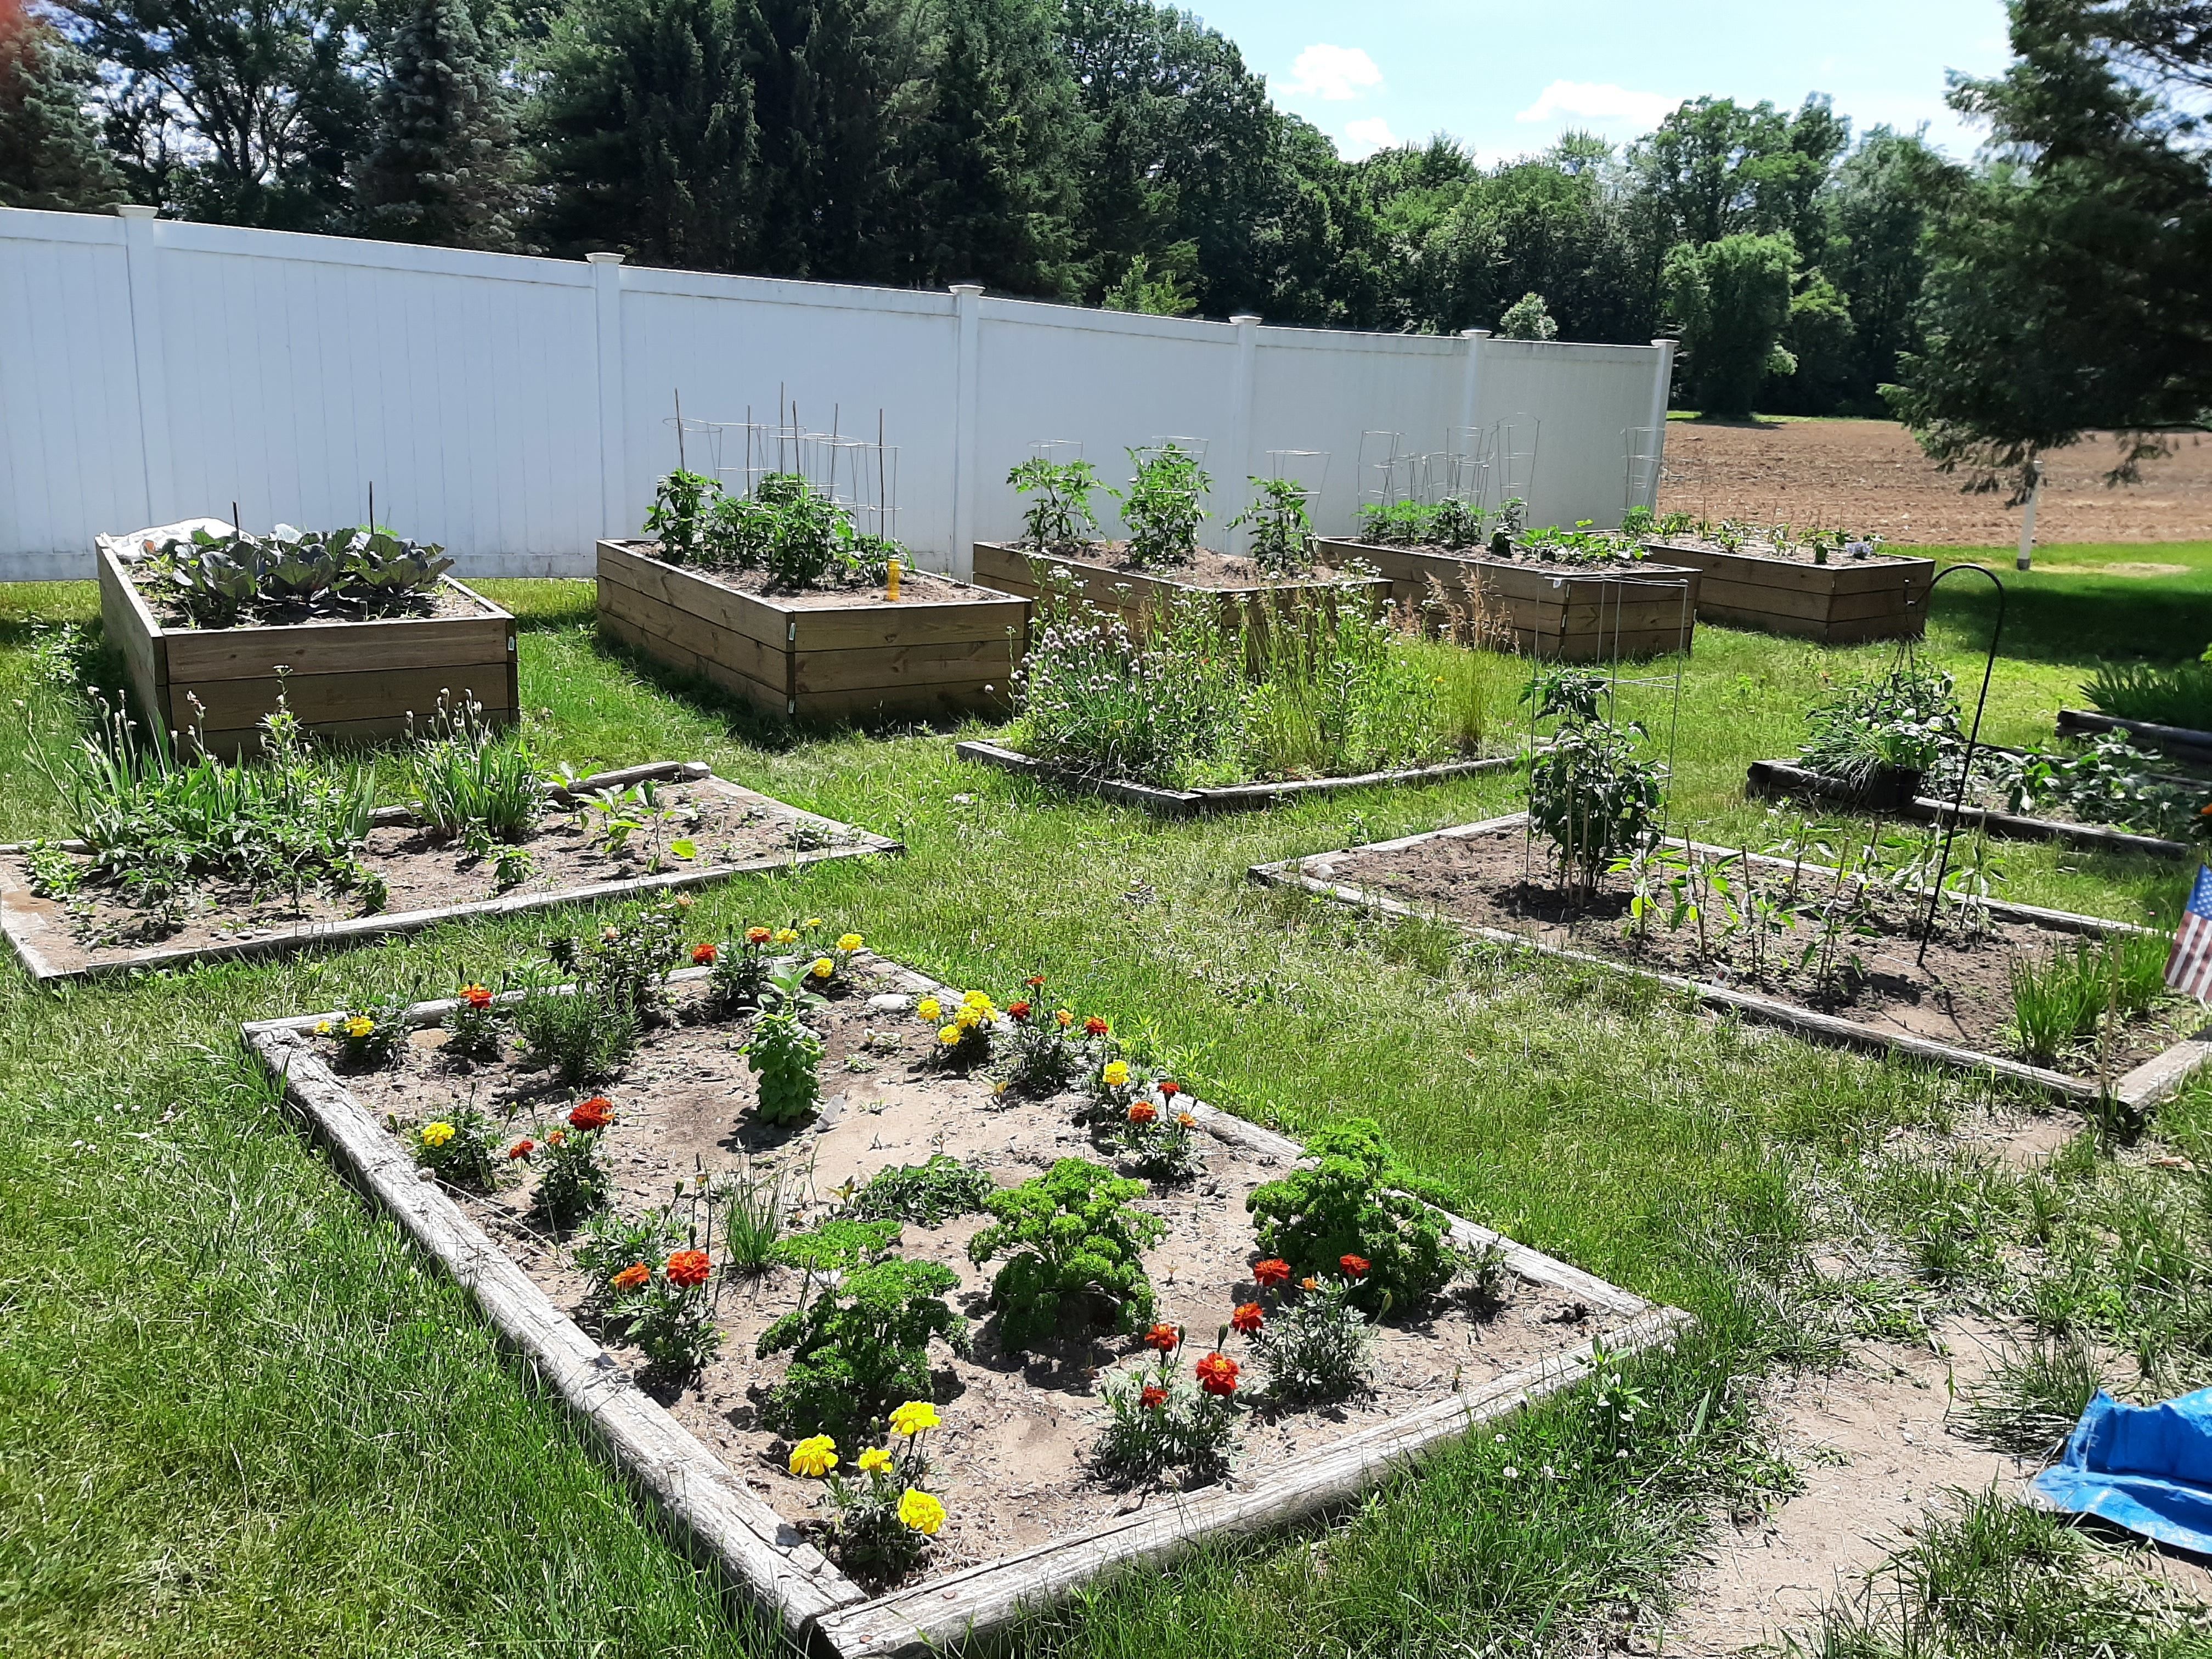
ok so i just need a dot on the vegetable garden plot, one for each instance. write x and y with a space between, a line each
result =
641 828
1835 589
914 1414
2013 989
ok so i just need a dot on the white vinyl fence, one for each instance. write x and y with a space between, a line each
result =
515 409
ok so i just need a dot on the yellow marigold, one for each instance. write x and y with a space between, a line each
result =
322 1028
919 1510
949 1035
930 1008
968 1018
875 1459
914 1417
438 1134
359 1025
975 999
811 922
815 1456
1065 1016
850 942
823 968
786 936
1116 1073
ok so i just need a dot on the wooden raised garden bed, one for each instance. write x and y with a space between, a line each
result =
736 830
1883 596
343 679
1775 778
1247 596
1573 613
1028 1516
2182 742
947 647
1953 1012
1230 798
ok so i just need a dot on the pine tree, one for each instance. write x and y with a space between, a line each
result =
825 77
51 155
441 163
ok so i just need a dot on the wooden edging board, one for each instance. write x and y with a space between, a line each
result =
2182 742
1884 597
2154 1080
1776 777
27 922
354 680
1139 596
713 1510
1232 797
861 656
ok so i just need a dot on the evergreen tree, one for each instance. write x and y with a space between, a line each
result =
51 155
824 74
644 115
441 167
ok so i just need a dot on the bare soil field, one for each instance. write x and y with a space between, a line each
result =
1870 477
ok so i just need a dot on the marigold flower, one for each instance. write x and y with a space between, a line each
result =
1065 1017
919 1510
1143 1113
823 968
850 942
438 1134
556 1137
593 1114
359 1025
977 1000
1018 1012
322 1028
1185 1120
1116 1073
522 1148
1216 1374
914 1417
1355 1266
1163 1337
786 936
1248 1319
1095 1026
1034 980
1273 1271
703 955
635 1277
929 1008
969 1018
1154 1397
811 923
475 996
815 1456
950 1035
875 1459
1309 1283
1170 1090
688 1269
757 935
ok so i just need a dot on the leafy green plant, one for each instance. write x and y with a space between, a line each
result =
1905 720
1161 508
928 1194
1595 796
1638 522
1456 523
476 1027
1510 519
886 1517
1158 1140
2060 1000
1073 1247
1397 524
2177 696
740 971
2112 782
1059 515
860 1346
220 580
1346 1209
586 1035
1317 1347
367 1036
459 1148
1282 533
785 1054
609 1243
793 533
1040 1052
668 1314
572 1180
469 780
677 519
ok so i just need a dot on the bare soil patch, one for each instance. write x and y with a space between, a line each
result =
915 586
1206 568
1870 477
1011 1462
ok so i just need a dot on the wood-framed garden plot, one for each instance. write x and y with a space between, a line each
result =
1883 596
343 679
1372 878
762 834
737 1505
1247 600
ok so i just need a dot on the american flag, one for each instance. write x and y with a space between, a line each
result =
2189 970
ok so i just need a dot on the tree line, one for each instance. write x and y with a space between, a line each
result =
1121 153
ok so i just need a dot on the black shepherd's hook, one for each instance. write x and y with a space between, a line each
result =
1966 764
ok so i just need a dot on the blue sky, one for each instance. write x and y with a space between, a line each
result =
1507 76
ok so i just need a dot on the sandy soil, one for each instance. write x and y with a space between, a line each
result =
1869 476
915 586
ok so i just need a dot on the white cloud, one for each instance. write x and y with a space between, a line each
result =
1599 100
1335 73
1363 138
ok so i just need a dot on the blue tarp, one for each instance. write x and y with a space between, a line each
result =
2148 1468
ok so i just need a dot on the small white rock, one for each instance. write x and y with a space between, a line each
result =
890 1002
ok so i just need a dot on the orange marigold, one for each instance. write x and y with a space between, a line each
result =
633 1278
522 1148
1170 1090
757 935
688 1268
1273 1271
1154 1397
1095 1026
1216 1374
1355 1266
1143 1113
1247 1319
1165 1338
475 996
1034 980
703 956
594 1114
1018 1012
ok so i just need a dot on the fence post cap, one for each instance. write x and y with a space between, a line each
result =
967 290
134 210
604 259
1241 317
1475 334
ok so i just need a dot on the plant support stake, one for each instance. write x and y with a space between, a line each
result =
1966 763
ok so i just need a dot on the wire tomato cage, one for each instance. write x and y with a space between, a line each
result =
858 476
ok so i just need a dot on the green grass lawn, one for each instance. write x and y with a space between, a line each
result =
240 1416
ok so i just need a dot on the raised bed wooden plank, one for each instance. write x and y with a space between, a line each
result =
2155 1079
1234 798
324 699
132 634
2182 742
1775 777
357 647
923 702
1138 596
32 925
987 618
701 636
878 668
740 613
1849 600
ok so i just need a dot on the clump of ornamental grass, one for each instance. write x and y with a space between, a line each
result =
471 782
1073 1247
2062 999
586 1032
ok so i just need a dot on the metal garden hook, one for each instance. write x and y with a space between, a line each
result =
1966 763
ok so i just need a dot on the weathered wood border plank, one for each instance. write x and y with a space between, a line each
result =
1235 797
2182 742
762 1552
2156 1079
28 929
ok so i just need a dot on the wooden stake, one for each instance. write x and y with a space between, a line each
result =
681 465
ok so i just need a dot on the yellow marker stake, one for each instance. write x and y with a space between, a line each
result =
890 582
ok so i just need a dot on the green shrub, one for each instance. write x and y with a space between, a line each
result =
1595 796
1073 1254
586 1035
2179 696
1345 1206
1162 507
785 1054
861 1347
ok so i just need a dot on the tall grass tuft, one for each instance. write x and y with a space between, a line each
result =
2032 1398
2178 695
470 781
2057 1002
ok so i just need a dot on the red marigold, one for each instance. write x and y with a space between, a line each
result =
1154 1397
757 935
1355 1266
1165 1338
1143 1113
633 1277
1018 1012
1034 980
1247 1319
1273 1271
475 996
522 1148
703 956
1170 1090
594 1114
1216 1374
1095 1026
556 1137
687 1269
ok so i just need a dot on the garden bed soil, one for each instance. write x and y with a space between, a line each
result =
1572 613
1028 1518
1228 798
1249 595
355 680
1490 878
945 648
1844 601
736 830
